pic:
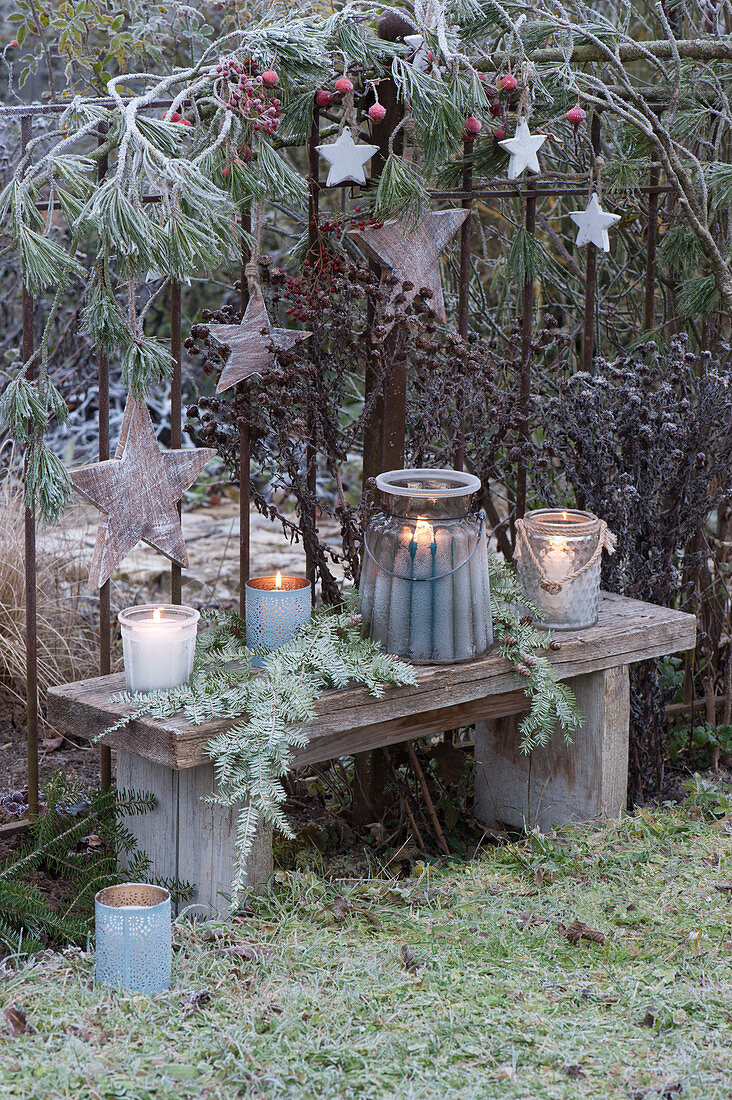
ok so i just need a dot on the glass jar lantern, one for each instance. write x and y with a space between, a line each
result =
558 559
424 591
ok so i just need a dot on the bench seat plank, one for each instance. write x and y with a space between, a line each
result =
350 720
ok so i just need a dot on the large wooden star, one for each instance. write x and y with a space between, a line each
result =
253 344
412 252
138 490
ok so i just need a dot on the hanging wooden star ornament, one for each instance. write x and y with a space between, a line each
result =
347 160
523 147
593 223
138 491
412 252
253 343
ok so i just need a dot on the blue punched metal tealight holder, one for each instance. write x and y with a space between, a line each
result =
133 937
274 615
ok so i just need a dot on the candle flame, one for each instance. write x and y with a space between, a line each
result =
157 614
278 580
424 533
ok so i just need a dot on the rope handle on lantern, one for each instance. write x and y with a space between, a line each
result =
606 540
441 576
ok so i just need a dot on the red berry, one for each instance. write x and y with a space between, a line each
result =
508 83
174 117
576 115
185 122
323 98
473 126
15 43
343 85
499 135
270 78
495 107
377 113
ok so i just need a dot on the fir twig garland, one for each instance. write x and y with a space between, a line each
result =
253 755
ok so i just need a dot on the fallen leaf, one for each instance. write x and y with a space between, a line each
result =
370 917
15 1020
723 887
574 1070
51 744
649 1019
538 877
578 931
339 909
530 920
197 999
409 959
80 1032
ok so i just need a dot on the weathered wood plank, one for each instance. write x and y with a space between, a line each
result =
186 837
351 720
558 782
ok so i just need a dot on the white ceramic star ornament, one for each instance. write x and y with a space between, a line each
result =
523 147
593 223
421 59
347 160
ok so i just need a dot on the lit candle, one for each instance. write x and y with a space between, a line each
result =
422 550
158 646
558 557
275 608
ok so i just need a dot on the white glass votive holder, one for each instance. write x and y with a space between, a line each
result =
275 608
158 645
558 558
133 937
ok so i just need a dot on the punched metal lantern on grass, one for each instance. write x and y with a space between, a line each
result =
424 591
558 558
133 937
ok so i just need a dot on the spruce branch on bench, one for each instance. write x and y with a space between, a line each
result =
270 711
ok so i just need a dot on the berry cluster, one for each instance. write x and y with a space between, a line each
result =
241 88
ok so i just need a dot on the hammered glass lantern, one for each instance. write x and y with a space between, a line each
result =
558 559
424 591
133 937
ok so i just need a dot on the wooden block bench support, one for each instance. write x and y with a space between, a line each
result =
586 779
561 782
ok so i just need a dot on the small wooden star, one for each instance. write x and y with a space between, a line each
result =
139 491
593 223
523 147
347 160
413 252
253 343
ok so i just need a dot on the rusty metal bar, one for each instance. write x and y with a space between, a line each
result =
245 453
176 411
527 327
649 312
105 592
466 231
31 613
588 335
311 454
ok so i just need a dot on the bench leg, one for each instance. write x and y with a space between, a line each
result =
558 783
185 837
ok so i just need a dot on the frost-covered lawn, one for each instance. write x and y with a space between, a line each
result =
458 982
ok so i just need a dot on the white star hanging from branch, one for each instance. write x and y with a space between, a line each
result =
139 491
412 252
593 223
523 147
346 159
253 343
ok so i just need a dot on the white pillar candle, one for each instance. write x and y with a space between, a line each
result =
422 550
158 646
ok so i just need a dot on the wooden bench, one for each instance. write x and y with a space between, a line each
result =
190 839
